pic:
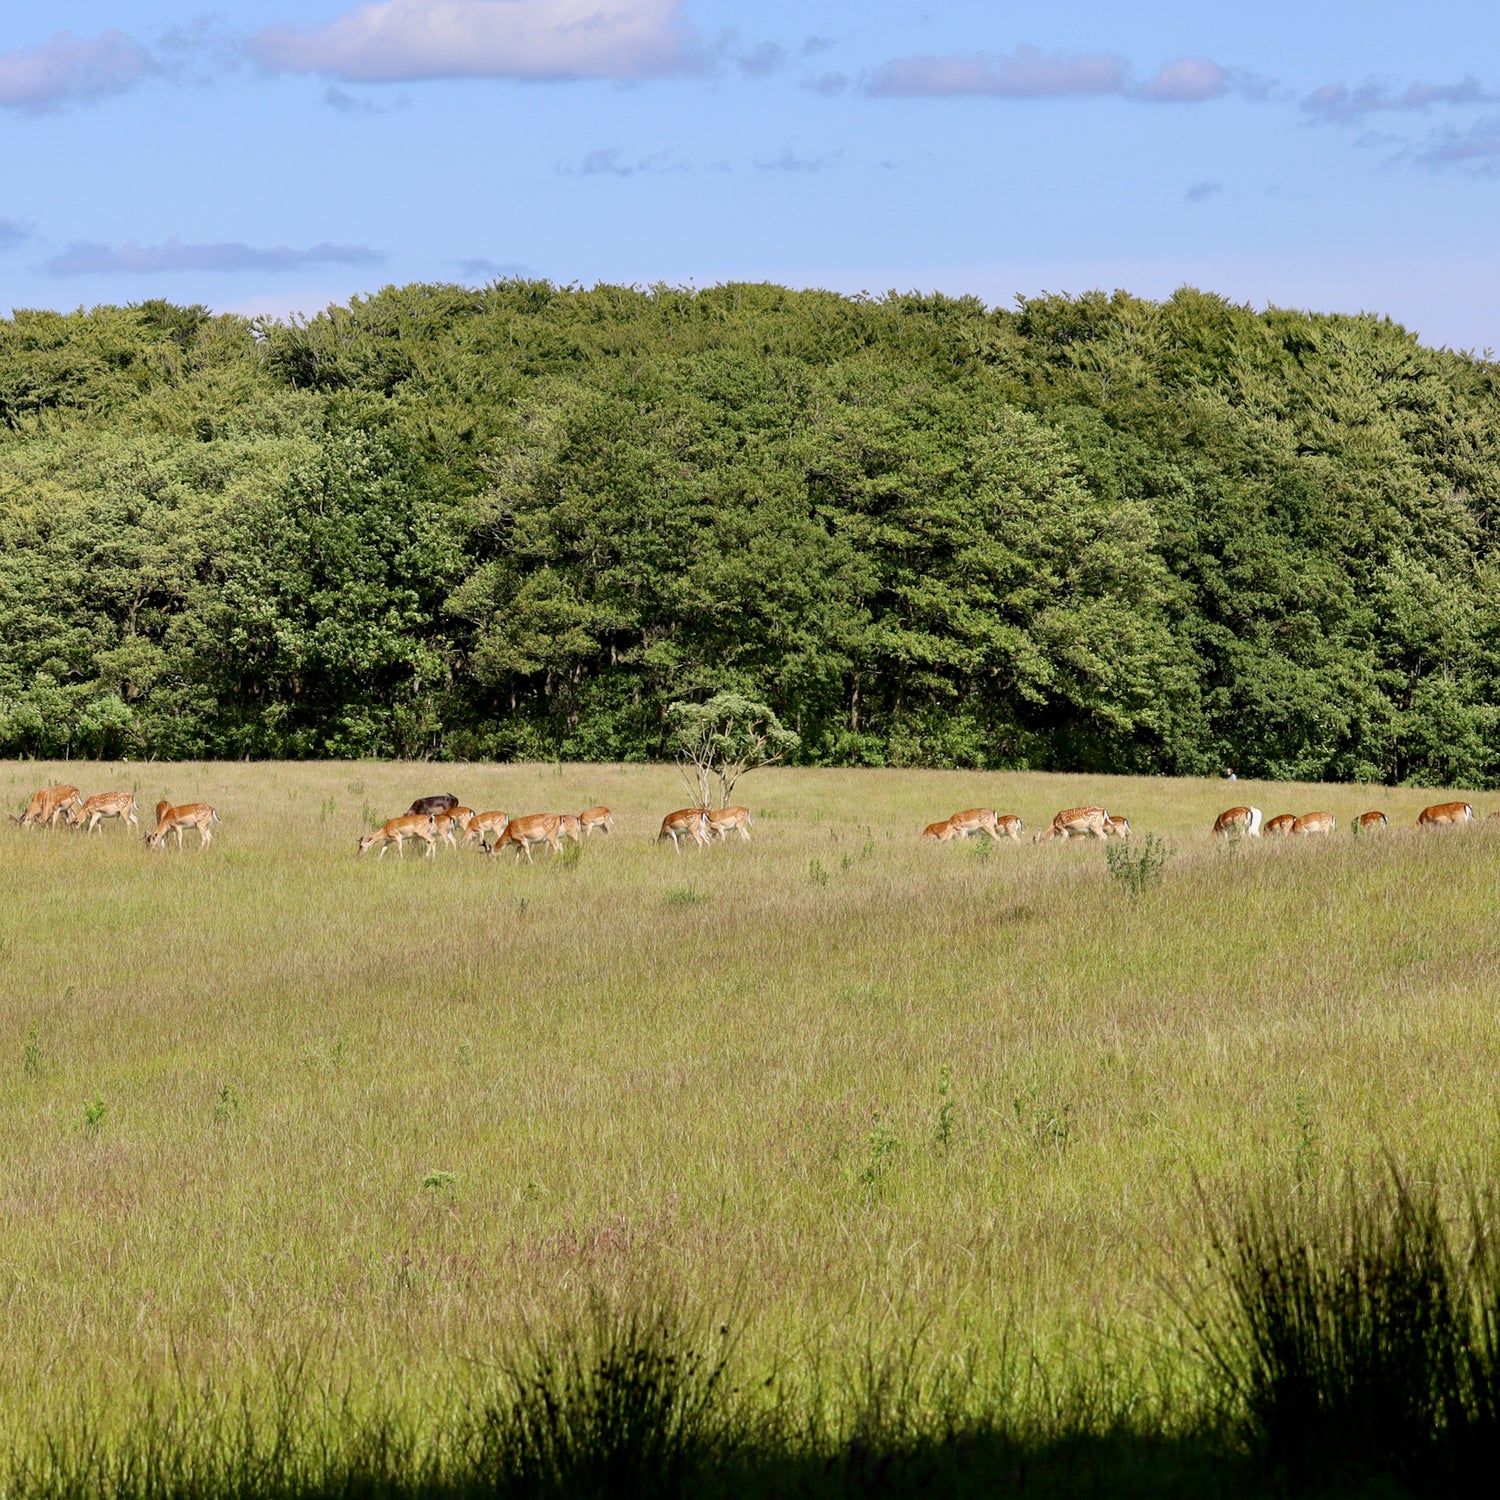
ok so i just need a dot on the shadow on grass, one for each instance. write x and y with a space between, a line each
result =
1349 1346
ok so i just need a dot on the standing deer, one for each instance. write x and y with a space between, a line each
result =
1076 823
480 824
1282 823
1238 822
570 826
102 805
1368 821
445 802
46 806
729 819
1445 815
687 822
534 828
597 817
1318 822
396 831
939 833
170 819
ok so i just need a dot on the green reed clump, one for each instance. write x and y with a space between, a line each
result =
1361 1338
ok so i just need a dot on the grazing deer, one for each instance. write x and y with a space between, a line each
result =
1319 822
424 805
1365 822
570 826
102 805
939 833
46 806
444 823
534 828
729 819
976 820
397 830
1282 823
1238 822
688 822
485 823
1076 823
170 819
597 817
1445 814
1116 828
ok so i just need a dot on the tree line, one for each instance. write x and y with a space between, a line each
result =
1094 532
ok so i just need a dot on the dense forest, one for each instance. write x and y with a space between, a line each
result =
1094 532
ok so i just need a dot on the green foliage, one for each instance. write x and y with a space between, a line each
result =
723 738
94 1112
1089 533
1138 872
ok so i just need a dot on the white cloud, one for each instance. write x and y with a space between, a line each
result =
404 40
1186 80
88 258
71 68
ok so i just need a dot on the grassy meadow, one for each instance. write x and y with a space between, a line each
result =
842 1091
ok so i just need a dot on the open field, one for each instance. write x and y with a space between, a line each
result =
720 1071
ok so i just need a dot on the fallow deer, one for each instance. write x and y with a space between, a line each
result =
534 828
728 820
1445 814
485 823
687 822
939 833
424 805
46 806
1367 821
1281 823
1238 822
444 823
1116 828
1008 825
102 805
396 831
170 819
1318 822
570 826
1076 823
976 820
597 817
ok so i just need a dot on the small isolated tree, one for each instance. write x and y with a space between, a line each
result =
722 739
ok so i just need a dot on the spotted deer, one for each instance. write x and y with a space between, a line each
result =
170 819
597 817
729 820
534 828
686 822
47 805
92 813
1076 823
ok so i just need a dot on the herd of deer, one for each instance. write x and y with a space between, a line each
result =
429 819
89 814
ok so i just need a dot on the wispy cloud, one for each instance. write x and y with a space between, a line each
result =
788 161
761 61
72 69
829 85
354 104
89 258
1477 148
477 267
1030 73
13 232
405 40
1337 103
608 161
1201 192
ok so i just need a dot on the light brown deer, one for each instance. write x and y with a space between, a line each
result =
1238 823
570 826
444 823
686 822
102 805
1282 823
1076 823
1318 822
597 817
170 819
1445 815
939 833
728 820
397 830
534 828
480 824
1116 828
47 805
976 820
1368 821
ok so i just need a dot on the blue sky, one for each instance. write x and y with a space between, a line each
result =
270 156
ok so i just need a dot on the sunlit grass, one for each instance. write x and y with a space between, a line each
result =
274 1097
